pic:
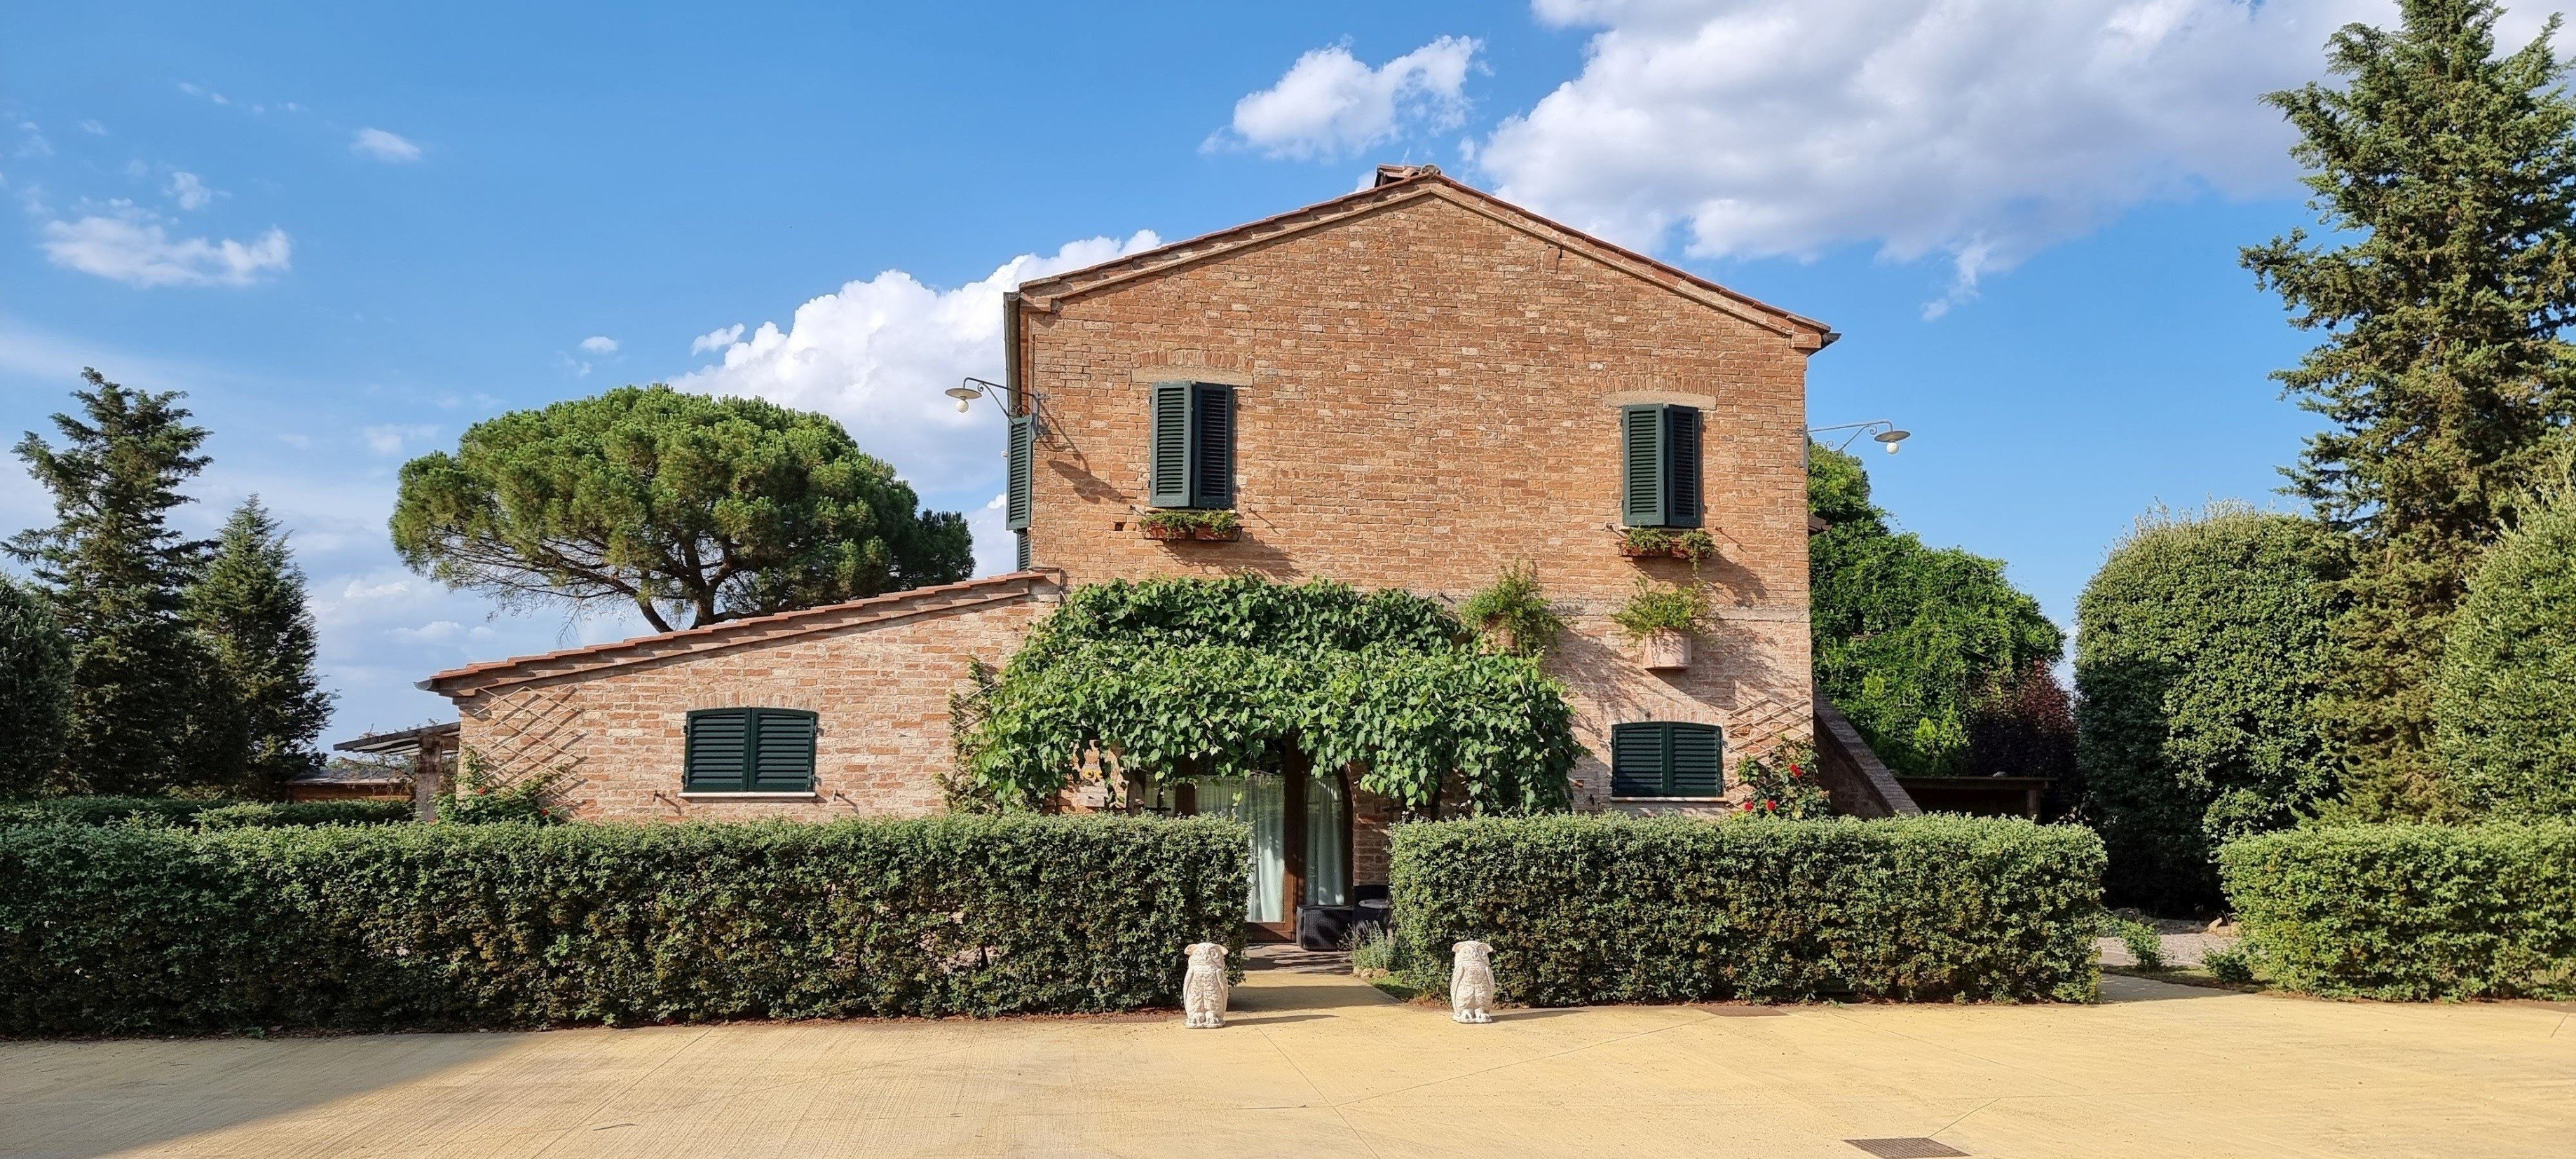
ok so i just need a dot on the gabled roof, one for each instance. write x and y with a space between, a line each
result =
1397 187
459 683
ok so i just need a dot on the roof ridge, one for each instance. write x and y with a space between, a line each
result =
704 631
1426 180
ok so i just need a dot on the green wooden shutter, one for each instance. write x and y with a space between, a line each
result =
1641 449
1694 761
1637 761
718 759
1681 466
1212 459
782 750
1023 547
1022 455
1170 453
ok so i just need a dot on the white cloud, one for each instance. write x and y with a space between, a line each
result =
433 632
876 355
1330 105
134 246
376 589
32 142
599 344
1976 130
190 192
384 146
389 438
204 93
716 339
93 128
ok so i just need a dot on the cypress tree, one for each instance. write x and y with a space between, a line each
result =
2448 175
113 571
35 691
265 706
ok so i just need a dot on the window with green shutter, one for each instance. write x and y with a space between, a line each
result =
1667 758
1020 466
1660 462
749 750
1192 451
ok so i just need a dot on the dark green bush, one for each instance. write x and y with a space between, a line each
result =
2203 654
2410 912
2507 685
1583 909
132 929
205 814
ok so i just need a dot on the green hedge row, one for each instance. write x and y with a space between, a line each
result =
204 814
1586 909
126 929
2410 911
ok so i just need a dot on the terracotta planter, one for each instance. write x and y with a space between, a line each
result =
1666 650
1634 552
1501 640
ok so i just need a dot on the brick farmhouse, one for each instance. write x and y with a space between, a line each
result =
1412 386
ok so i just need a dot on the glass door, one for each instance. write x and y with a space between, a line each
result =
1261 803
1301 838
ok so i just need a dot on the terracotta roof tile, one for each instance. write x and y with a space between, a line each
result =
752 625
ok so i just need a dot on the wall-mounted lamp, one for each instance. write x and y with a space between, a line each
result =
1887 434
968 391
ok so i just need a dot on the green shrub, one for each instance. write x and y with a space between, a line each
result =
1783 784
2141 939
1596 908
206 814
2410 911
2229 963
1376 951
2202 655
2507 687
479 798
124 930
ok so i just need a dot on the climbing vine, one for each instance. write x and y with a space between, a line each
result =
1223 677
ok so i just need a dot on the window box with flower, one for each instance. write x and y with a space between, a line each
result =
1689 543
1206 526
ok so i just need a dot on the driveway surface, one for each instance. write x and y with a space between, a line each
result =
1321 1064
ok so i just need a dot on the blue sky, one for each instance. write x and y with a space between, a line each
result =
349 233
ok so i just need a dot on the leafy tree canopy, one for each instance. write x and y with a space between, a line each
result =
2507 694
694 509
2446 175
1183 677
2201 661
1910 640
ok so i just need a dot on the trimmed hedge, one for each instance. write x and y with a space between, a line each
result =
2410 912
200 813
1588 909
124 930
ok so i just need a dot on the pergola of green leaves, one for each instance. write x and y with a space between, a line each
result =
1187 677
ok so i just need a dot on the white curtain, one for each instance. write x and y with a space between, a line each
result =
1261 803
1328 877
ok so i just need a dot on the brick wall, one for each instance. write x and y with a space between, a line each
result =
880 690
1425 395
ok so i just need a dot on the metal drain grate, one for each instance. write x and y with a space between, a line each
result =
1910 1147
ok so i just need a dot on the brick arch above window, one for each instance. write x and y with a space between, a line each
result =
753 696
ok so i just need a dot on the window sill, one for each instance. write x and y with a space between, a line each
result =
1718 800
808 795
